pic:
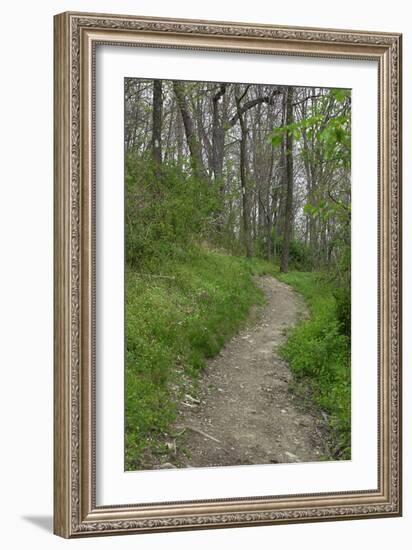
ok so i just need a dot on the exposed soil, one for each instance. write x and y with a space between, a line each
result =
245 411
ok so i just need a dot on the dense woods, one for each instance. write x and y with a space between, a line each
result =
238 173
269 166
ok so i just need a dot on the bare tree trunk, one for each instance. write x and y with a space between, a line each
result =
287 232
168 150
269 212
192 142
246 206
157 125
219 115
218 137
179 137
198 107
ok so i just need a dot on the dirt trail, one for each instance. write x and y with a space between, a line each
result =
245 412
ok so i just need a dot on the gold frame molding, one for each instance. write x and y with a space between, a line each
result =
75 38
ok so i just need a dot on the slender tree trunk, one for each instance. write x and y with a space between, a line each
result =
287 231
269 208
218 136
168 149
197 107
219 114
192 142
246 206
179 137
157 126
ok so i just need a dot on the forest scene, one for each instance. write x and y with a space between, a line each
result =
237 274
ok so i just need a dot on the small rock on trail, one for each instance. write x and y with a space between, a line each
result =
245 413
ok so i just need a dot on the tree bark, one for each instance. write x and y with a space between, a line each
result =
192 142
218 136
179 137
246 202
157 126
288 221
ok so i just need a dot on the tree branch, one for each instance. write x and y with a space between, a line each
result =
250 104
306 98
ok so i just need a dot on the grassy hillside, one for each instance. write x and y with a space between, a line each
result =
175 319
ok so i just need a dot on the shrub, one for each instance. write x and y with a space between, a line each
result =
343 309
166 214
300 255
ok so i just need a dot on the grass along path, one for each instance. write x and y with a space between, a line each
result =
318 353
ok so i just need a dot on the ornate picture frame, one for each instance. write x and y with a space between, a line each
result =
76 510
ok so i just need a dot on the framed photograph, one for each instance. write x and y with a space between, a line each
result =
227 274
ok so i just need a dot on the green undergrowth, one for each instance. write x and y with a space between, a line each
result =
177 316
318 353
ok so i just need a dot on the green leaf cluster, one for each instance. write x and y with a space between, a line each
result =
332 133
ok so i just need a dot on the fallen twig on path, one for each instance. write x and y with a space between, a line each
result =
203 433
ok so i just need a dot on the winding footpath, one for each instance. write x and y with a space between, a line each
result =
245 412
